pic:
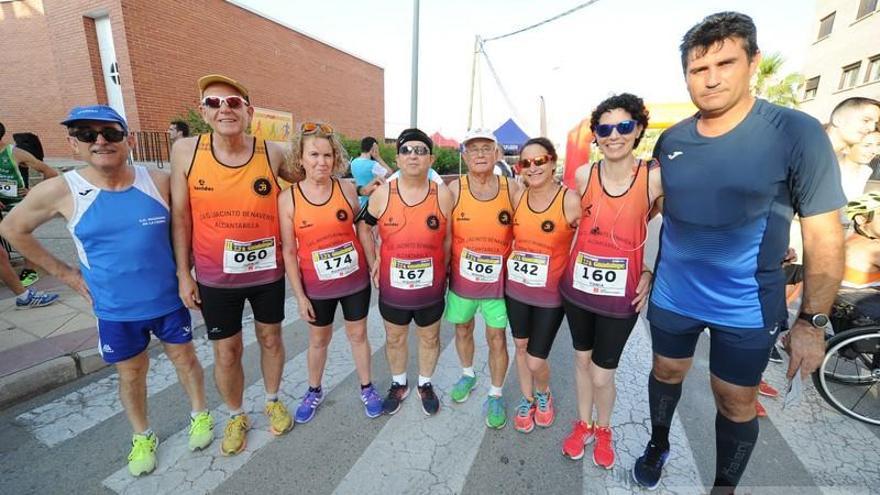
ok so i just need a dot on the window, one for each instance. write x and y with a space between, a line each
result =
811 87
866 7
850 76
872 73
825 26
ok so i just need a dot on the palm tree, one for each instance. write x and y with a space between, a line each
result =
781 90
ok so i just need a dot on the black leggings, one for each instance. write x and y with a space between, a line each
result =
604 335
537 324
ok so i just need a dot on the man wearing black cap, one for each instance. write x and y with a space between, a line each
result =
410 269
119 218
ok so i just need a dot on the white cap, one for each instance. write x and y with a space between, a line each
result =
479 134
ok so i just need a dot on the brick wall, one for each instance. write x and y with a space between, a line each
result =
50 63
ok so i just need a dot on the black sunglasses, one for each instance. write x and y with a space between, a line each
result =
89 135
418 150
623 128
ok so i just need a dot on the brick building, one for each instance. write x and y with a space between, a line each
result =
143 57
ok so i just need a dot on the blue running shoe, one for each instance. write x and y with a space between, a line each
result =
372 402
34 299
649 467
306 410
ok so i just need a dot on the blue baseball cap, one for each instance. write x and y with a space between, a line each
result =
100 113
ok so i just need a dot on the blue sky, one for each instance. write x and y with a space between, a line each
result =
575 62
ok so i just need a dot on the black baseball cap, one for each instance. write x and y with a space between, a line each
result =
414 134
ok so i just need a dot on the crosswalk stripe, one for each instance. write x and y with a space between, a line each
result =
417 454
631 422
76 412
180 471
833 447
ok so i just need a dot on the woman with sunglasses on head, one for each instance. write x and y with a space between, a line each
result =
606 282
544 222
324 259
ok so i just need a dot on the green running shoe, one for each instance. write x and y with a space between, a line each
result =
28 277
496 412
462 388
201 431
142 458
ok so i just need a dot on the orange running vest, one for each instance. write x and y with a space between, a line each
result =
481 235
605 263
412 274
331 259
235 232
540 248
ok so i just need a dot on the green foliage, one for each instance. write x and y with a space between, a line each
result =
446 161
193 118
772 86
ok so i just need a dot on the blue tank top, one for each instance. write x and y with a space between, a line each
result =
123 240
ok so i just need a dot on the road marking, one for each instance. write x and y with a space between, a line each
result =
182 471
631 423
76 412
414 453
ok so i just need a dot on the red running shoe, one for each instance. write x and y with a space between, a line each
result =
762 413
603 452
581 435
765 389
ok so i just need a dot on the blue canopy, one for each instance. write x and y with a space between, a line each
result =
511 136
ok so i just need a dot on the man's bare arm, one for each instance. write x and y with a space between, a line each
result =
22 156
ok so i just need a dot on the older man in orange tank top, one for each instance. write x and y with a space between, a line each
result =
225 222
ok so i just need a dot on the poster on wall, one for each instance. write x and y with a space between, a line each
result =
271 125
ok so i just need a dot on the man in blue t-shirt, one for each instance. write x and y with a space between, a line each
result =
733 176
367 168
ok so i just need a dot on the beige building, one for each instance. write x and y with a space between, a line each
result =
844 59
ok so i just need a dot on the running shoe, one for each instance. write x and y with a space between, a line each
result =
775 356
581 435
309 405
649 467
430 402
603 452
372 402
142 458
462 388
201 431
766 390
525 416
544 412
759 409
28 277
279 418
395 397
235 434
496 412
34 299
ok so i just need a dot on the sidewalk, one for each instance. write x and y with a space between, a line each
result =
41 348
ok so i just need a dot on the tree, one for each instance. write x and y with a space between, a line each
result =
772 86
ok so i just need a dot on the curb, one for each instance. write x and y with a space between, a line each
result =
37 379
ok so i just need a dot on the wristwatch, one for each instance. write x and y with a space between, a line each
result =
818 320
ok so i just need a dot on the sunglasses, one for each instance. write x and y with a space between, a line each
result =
89 135
417 150
313 127
623 128
233 101
537 161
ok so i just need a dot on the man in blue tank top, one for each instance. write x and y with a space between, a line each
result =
119 219
733 175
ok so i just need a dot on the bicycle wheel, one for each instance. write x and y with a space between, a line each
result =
849 376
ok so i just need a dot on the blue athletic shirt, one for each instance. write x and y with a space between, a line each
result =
728 206
123 240
364 170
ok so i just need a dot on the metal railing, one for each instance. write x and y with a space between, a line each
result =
152 147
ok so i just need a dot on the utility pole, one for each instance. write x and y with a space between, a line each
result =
414 93
473 81
543 115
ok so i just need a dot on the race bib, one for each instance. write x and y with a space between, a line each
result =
249 256
528 268
412 274
8 188
336 262
600 276
480 268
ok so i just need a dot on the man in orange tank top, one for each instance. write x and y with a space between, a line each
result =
411 214
482 231
225 221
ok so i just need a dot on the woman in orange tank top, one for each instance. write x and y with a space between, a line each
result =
543 226
324 260
606 282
